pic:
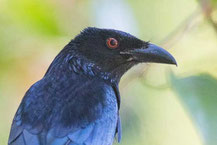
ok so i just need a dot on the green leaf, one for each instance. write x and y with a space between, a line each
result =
37 15
199 96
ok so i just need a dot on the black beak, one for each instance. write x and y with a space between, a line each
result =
152 53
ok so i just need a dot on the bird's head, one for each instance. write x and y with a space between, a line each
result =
115 51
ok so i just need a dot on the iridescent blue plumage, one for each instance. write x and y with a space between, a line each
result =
77 102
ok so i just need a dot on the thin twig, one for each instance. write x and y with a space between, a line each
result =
168 42
181 30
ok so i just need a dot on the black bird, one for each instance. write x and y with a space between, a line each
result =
77 101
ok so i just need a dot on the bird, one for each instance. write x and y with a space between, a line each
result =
77 101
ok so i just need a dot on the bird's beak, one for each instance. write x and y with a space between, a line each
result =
152 53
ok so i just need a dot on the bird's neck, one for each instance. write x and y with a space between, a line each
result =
73 63
82 66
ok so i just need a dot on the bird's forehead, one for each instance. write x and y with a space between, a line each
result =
92 31
118 33
125 39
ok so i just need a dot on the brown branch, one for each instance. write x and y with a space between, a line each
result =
175 36
208 8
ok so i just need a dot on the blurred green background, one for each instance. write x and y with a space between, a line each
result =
161 104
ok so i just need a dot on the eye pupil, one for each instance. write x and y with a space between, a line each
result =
112 43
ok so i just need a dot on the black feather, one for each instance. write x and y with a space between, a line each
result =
77 101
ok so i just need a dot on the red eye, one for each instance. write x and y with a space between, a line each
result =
112 43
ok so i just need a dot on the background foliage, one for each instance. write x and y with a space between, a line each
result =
161 104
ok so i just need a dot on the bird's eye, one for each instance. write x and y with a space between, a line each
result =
112 43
